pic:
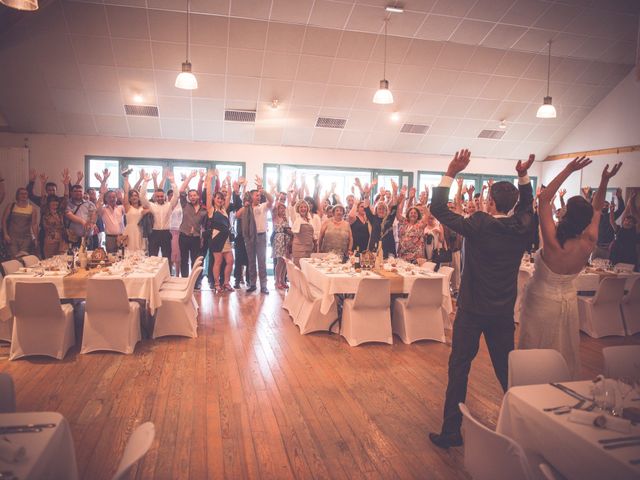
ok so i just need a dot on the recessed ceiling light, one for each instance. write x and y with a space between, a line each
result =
137 98
395 116
391 9
275 103
503 125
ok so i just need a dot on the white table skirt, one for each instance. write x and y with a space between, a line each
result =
571 448
49 454
344 283
139 285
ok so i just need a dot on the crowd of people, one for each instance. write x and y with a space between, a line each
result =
227 221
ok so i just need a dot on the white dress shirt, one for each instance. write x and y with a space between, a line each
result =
161 213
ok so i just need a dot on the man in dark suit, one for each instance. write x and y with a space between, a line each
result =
494 244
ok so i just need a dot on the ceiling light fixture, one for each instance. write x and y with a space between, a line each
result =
392 9
185 79
547 110
395 116
275 103
384 96
137 98
502 125
26 5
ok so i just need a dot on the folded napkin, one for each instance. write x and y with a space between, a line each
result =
11 452
600 420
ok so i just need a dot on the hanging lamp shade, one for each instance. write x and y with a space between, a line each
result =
26 5
383 96
547 110
185 79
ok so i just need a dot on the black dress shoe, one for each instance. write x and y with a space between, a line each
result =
236 285
252 288
264 290
445 441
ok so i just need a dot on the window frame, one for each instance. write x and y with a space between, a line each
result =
480 178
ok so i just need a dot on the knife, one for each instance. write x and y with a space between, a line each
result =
569 391
29 425
618 439
621 445
19 430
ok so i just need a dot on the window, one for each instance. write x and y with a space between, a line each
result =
432 179
95 164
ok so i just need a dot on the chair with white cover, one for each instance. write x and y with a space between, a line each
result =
138 445
600 315
447 303
7 394
11 266
537 366
30 260
630 307
489 455
43 327
181 283
293 299
428 266
621 361
177 315
366 318
111 321
419 316
523 278
309 318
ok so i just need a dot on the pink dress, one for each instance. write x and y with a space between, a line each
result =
410 240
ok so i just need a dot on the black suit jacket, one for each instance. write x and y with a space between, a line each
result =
493 252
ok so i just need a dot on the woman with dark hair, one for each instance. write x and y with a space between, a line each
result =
217 231
624 246
335 235
54 237
410 231
20 224
549 315
360 226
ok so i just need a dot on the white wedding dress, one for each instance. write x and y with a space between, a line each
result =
549 314
133 230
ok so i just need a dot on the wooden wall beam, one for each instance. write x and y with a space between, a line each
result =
593 153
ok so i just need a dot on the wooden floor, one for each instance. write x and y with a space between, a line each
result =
252 398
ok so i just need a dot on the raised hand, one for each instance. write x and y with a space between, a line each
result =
412 192
106 174
374 182
608 174
522 168
585 191
619 192
202 174
32 174
169 175
490 182
43 178
471 189
66 178
562 192
98 177
79 177
258 181
459 162
142 174
578 163
154 175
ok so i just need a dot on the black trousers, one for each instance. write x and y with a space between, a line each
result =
498 334
160 240
189 247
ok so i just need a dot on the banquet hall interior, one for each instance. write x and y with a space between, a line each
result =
257 239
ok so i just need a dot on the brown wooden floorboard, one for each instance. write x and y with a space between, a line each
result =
252 398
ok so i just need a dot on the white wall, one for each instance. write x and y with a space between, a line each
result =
52 153
614 122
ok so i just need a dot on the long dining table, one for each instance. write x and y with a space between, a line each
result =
341 279
142 280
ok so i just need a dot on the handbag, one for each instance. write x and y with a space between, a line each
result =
442 255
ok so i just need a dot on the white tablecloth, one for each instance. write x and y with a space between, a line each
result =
139 285
588 282
571 448
49 453
347 283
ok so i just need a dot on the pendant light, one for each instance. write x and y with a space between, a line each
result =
185 79
384 96
547 110
26 5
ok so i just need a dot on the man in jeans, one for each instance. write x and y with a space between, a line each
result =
254 231
193 217
160 237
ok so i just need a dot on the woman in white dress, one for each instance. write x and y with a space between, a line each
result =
134 212
549 315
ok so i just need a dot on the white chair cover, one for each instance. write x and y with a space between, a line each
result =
177 315
181 283
11 266
30 260
293 300
310 319
428 266
523 278
536 366
600 315
7 394
111 321
138 445
489 455
366 318
630 307
420 316
621 361
447 303
42 327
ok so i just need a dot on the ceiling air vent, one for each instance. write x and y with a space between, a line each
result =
240 116
141 110
492 134
326 122
413 128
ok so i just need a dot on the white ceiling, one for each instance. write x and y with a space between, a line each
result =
458 66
